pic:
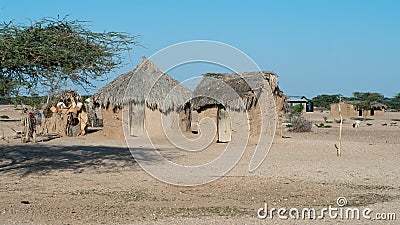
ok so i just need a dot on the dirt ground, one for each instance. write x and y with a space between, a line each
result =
95 180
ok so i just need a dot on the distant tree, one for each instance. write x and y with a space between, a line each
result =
365 100
394 103
325 101
51 52
7 86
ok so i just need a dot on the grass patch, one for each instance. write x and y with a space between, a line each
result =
368 199
338 121
128 196
326 119
322 125
213 211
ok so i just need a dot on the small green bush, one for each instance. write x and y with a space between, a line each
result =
4 117
322 125
326 119
338 121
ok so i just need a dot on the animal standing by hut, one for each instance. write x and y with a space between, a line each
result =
65 115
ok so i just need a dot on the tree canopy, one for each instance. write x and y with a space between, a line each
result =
325 101
364 100
52 51
394 103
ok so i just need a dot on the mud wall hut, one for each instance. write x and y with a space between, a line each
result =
377 109
145 94
349 109
250 88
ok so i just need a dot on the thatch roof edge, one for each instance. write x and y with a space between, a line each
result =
132 87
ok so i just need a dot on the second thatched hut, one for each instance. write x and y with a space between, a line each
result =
239 93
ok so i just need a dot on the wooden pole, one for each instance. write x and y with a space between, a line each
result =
339 149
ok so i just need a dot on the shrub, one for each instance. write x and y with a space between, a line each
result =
326 119
338 121
301 124
294 112
4 117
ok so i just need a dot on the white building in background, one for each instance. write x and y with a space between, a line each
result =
308 105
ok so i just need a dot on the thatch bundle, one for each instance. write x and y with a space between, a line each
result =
224 89
70 120
146 84
66 95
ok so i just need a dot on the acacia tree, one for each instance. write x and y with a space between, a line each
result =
364 101
394 102
325 101
52 51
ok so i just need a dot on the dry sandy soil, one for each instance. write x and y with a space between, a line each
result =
95 180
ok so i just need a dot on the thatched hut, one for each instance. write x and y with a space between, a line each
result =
239 93
377 109
350 109
147 94
346 108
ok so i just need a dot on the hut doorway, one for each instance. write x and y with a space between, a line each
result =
186 118
136 119
224 125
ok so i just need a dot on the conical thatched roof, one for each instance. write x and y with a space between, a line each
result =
146 84
248 86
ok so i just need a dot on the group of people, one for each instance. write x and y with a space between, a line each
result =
67 116
75 113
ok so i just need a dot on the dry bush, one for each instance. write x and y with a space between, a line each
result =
301 124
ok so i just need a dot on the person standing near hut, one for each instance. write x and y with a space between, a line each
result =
82 117
30 128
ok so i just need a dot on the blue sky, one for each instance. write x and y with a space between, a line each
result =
316 47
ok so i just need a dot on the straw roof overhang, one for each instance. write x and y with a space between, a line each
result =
146 84
378 106
216 89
